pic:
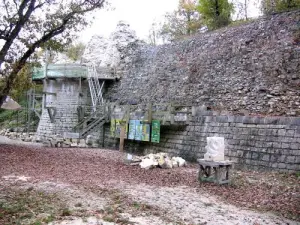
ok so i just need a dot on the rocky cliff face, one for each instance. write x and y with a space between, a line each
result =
113 51
251 69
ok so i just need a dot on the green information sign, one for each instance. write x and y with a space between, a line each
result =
119 124
113 128
132 128
146 132
155 134
138 130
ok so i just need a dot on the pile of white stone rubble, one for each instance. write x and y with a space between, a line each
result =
161 160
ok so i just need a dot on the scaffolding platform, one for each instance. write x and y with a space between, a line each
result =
56 71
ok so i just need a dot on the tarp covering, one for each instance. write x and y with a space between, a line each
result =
60 71
10 104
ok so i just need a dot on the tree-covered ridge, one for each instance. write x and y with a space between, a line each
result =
193 16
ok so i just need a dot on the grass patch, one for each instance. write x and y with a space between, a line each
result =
27 207
108 218
121 203
66 212
79 204
208 204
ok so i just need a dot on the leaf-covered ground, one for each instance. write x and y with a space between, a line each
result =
94 169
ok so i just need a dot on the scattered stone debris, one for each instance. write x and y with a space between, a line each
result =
52 141
21 136
161 160
61 142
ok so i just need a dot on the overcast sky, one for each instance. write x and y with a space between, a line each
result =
140 14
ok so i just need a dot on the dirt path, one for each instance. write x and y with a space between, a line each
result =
199 208
104 186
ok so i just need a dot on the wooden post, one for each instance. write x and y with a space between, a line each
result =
109 112
103 135
150 113
122 136
127 113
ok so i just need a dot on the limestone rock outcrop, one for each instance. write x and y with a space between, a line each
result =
114 51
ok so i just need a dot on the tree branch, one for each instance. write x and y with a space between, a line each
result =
17 28
48 35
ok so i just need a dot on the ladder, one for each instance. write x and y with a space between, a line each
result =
96 86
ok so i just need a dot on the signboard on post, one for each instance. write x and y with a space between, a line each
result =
131 130
138 131
155 135
146 132
119 124
113 128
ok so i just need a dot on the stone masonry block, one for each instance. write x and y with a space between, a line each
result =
290 133
296 152
282 158
272 120
290 159
285 145
281 165
255 155
276 144
266 157
281 132
293 167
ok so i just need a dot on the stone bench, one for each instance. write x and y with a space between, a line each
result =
214 171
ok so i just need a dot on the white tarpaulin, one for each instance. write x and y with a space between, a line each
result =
10 104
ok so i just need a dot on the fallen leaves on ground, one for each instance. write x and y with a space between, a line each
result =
264 191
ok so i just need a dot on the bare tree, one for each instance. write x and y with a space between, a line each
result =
29 24
241 9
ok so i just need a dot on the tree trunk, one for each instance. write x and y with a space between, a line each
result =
217 8
246 9
189 23
289 4
8 85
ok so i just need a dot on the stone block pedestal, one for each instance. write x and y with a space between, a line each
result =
214 171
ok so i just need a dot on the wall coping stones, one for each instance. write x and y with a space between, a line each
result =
272 120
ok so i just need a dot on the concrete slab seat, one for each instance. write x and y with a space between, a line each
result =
214 171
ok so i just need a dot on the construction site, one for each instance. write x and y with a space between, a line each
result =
139 134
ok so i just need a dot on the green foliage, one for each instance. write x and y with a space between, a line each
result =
18 118
75 51
183 21
216 13
27 25
273 6
66 212
22 82
13 118
6 116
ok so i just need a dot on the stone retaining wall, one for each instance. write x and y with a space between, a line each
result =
252 142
